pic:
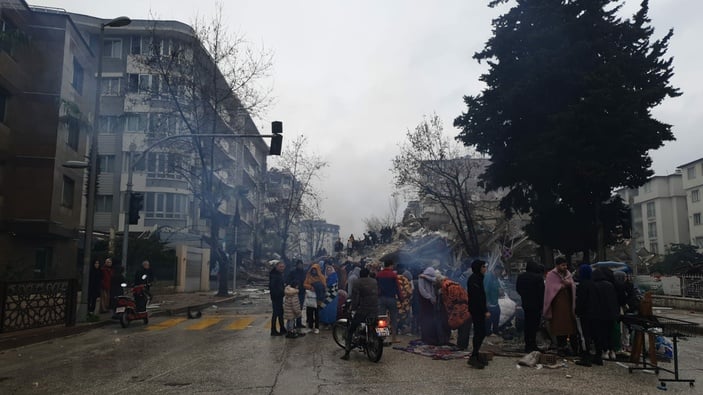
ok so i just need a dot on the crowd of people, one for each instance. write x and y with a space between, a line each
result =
581 311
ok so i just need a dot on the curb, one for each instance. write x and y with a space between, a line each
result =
18 339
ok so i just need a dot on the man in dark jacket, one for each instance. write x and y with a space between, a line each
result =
608 311
479 311
587 310
297 276
530 286
276 288
364 303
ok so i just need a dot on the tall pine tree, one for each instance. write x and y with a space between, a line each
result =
566 113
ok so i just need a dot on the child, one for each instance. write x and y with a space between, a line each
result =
291 309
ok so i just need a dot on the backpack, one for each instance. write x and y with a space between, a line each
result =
456 301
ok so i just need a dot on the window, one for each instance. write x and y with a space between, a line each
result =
163 165
3 105
652 230
111 124
77 76
143 83
136 45
164 124
112 48
690 173
103 203
10 31
111 86
647 187
67 192
654 247
74 130
106 163
697 218
136 122
165 205
651 210
695 196
699 242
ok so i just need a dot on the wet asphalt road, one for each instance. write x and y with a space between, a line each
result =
236 355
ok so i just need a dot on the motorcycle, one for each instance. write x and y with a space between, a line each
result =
132 308
368 337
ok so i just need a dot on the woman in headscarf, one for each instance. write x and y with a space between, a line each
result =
328 312
433 322
315 281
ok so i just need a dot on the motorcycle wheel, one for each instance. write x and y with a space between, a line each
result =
339 333
124 319
374 349
146 320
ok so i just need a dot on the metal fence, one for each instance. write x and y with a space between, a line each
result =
692 286
34 304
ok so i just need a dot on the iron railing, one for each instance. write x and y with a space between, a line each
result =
38 303
692 286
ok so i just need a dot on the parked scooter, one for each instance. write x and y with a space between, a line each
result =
131 308
368 337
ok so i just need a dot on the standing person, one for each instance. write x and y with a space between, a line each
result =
364 302
389 293
315 281
353 276
297 276
479 311
560 303
338 248
492 288
530 286
276 290
94 284
350 245
328 311
587 306
105 285
291 310
432 317
608 313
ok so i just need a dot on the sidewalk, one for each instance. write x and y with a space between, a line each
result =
166 304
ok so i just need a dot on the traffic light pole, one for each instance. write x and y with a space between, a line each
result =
127 199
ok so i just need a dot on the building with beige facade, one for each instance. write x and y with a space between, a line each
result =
692 175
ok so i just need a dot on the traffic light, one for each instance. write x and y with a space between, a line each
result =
136 204
277 139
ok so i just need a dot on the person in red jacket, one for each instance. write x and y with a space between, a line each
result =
105 285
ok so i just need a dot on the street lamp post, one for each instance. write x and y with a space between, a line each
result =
93 166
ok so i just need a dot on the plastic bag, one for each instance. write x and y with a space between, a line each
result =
664 347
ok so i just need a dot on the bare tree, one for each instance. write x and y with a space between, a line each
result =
205 83
442 173
298 199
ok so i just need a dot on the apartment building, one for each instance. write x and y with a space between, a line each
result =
136 112
47 90
659 213
692 175
317 236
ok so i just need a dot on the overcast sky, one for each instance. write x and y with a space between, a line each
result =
354 76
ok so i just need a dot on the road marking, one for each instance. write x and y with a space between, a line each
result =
204 323
241 323
165 324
